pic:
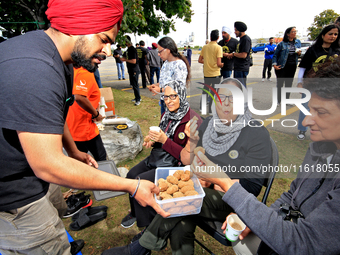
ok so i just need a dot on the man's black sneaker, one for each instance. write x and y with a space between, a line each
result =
128 221
75 204
76 246
302 135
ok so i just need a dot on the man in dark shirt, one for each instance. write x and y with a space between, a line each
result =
242 54
228 45
142 52
35 88
131 58
189 53
117 54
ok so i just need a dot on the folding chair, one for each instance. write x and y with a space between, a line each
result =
213 228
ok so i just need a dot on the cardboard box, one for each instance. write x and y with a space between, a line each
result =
109 101
110 110
106 93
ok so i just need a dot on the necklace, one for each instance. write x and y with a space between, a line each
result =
324 49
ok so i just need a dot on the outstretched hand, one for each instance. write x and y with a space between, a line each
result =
145 196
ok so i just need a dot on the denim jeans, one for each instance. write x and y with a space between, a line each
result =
162 105
120 66
152 71
241 76
97 77
226 74
302 116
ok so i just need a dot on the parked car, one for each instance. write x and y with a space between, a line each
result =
304 48
259 47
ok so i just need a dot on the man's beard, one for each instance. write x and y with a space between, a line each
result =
226 38
80 59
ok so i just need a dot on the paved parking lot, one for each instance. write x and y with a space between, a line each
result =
262 91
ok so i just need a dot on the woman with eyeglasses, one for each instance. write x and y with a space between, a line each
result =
230 141
174 68
285 60
167 145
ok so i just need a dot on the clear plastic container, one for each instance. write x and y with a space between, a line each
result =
180 206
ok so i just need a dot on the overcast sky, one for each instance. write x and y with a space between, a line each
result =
263 18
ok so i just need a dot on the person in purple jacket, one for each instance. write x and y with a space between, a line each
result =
169 142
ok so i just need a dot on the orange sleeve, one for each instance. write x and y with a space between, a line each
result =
82 82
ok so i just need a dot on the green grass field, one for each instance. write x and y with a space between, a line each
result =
108 233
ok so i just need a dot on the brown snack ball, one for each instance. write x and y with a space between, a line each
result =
197 202
199 148
191 193
161 180
181 184
167 206
187 188
175 210
185 177
147 139
189 208
181 203
171 190
164 195
178 194
163 186
178 174
172 179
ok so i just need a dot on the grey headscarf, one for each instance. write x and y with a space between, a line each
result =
219 138
175 117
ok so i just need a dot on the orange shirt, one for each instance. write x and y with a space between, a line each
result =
79 121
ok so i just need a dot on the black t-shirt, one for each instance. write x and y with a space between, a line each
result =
243 64
252 148
36 87
142 52
228 47
131 53
117 52
315 56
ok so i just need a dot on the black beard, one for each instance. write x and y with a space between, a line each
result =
225 38
80 59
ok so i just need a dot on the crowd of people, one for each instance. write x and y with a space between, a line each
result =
52 75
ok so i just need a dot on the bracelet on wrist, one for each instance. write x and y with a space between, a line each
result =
185 147
136 188
94 117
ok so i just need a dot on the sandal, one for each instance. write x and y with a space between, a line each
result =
89 211
85 220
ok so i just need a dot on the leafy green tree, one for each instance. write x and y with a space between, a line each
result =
323 19
140 17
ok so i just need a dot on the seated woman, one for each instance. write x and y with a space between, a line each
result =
228 140
168 143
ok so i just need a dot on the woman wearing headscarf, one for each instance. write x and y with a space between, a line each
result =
230 141
167 146
285 60
326 46
174 68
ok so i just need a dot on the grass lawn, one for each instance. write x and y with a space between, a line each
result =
108 233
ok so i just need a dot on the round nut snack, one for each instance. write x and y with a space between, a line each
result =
172 179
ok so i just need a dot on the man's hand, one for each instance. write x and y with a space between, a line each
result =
277 67
99 118
145 196
85 158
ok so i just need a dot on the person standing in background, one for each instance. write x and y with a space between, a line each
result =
211 58
117 54
268 57
189 53
242 54
142 60
131 58
82 114
285 60
228 45
155 63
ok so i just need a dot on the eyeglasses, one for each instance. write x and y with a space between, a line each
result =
160 51
224 97
172 97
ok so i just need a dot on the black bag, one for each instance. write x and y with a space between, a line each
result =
161 158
